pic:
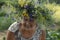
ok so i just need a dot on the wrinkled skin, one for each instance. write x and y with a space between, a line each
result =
28 28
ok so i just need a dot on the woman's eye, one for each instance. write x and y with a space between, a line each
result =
26 19
30 25
24 24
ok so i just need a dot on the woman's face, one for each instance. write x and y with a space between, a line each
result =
28 27
29 23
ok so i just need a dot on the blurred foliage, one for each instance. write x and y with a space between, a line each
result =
56 8
56 1
53 34
4 38
5 23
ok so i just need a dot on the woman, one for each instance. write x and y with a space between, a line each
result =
27 29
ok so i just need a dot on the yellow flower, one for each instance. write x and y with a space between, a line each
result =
25 13
21 2
28 1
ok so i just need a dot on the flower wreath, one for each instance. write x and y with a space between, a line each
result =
39 12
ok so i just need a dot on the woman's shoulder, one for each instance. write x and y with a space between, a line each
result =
13 27
15 23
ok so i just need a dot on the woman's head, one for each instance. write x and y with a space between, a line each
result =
28 15
27 27
29 22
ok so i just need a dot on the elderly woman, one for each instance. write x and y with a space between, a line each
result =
27 29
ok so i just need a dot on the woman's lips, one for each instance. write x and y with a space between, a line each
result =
27 33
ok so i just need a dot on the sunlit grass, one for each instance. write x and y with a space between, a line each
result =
57 13
56 8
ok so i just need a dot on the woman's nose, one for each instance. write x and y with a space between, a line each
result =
27 23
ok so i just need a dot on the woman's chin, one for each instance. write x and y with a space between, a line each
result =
26 36
27 33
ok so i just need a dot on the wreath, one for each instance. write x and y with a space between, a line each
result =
39 12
